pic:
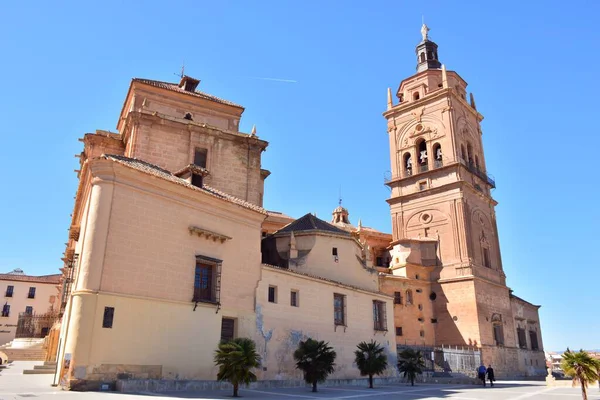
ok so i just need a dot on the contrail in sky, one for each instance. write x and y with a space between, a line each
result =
274 79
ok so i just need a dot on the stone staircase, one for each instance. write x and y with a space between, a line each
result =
24 350
47 368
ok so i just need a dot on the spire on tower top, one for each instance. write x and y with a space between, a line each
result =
427 57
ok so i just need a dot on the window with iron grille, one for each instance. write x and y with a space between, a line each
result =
379 317
397 297
339 309
107 319
272 294
521 337
29 310
6 310
534 340
294 298
207 280
31 294
398 331
9 291
227 329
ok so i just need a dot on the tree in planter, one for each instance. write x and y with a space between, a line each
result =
582 367
411 364
370 359
235 360
316 359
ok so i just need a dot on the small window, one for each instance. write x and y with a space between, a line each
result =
107 319
31 294
486 257
397 297
197 180
272 294
422 186
434 320
339 309
227 329
9 291
417 277
420 307
409 297
432 296
422 333
29 310
188 116
419 290
200 156
294 298
416 96
398 331
6 310
334 251
379 316
421 320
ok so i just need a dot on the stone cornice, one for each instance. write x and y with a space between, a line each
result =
208 234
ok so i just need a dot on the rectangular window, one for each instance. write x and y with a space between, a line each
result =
272 294
379 317
9 291
486 258
29 310
6 310
422 333
31 294
434 320
334 251
498 335
397 297
107 319
422 185
534 340
227 329
200 156
521 338
204 283
197 180
339 309
294 298
379 262
398 331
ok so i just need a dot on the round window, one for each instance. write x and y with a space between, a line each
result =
432 296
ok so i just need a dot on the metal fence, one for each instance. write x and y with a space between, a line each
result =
34 325
447 359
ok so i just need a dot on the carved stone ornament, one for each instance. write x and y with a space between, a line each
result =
418 113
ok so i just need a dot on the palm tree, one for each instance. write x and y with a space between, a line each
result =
370 359
582 367
315 359
236 359
411 363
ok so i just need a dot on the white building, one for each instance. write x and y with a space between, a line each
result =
20 293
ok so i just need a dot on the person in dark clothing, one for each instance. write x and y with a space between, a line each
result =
481 373
490 375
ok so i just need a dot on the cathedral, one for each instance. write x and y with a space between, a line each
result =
171 251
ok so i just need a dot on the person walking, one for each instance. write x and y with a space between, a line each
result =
481 373
490 375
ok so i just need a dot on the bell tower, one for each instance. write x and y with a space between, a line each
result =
441 190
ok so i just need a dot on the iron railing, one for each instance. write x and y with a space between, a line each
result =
35 325
459 359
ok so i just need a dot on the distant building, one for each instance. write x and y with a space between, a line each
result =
25 294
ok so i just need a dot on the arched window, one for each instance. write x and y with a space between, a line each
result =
409 297
470 154
407 164
476 162
416 96
422 57
463 153
422 155
437 154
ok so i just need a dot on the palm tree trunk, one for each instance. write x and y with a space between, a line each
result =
315 386
583 391
235 390
412 381
370 381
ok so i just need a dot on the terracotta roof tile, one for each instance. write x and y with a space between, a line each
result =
162 173
29 278
175 88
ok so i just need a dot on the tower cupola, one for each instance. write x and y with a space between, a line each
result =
427 56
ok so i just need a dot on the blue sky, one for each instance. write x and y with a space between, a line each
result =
66 67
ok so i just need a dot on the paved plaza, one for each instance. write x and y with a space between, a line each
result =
15 385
